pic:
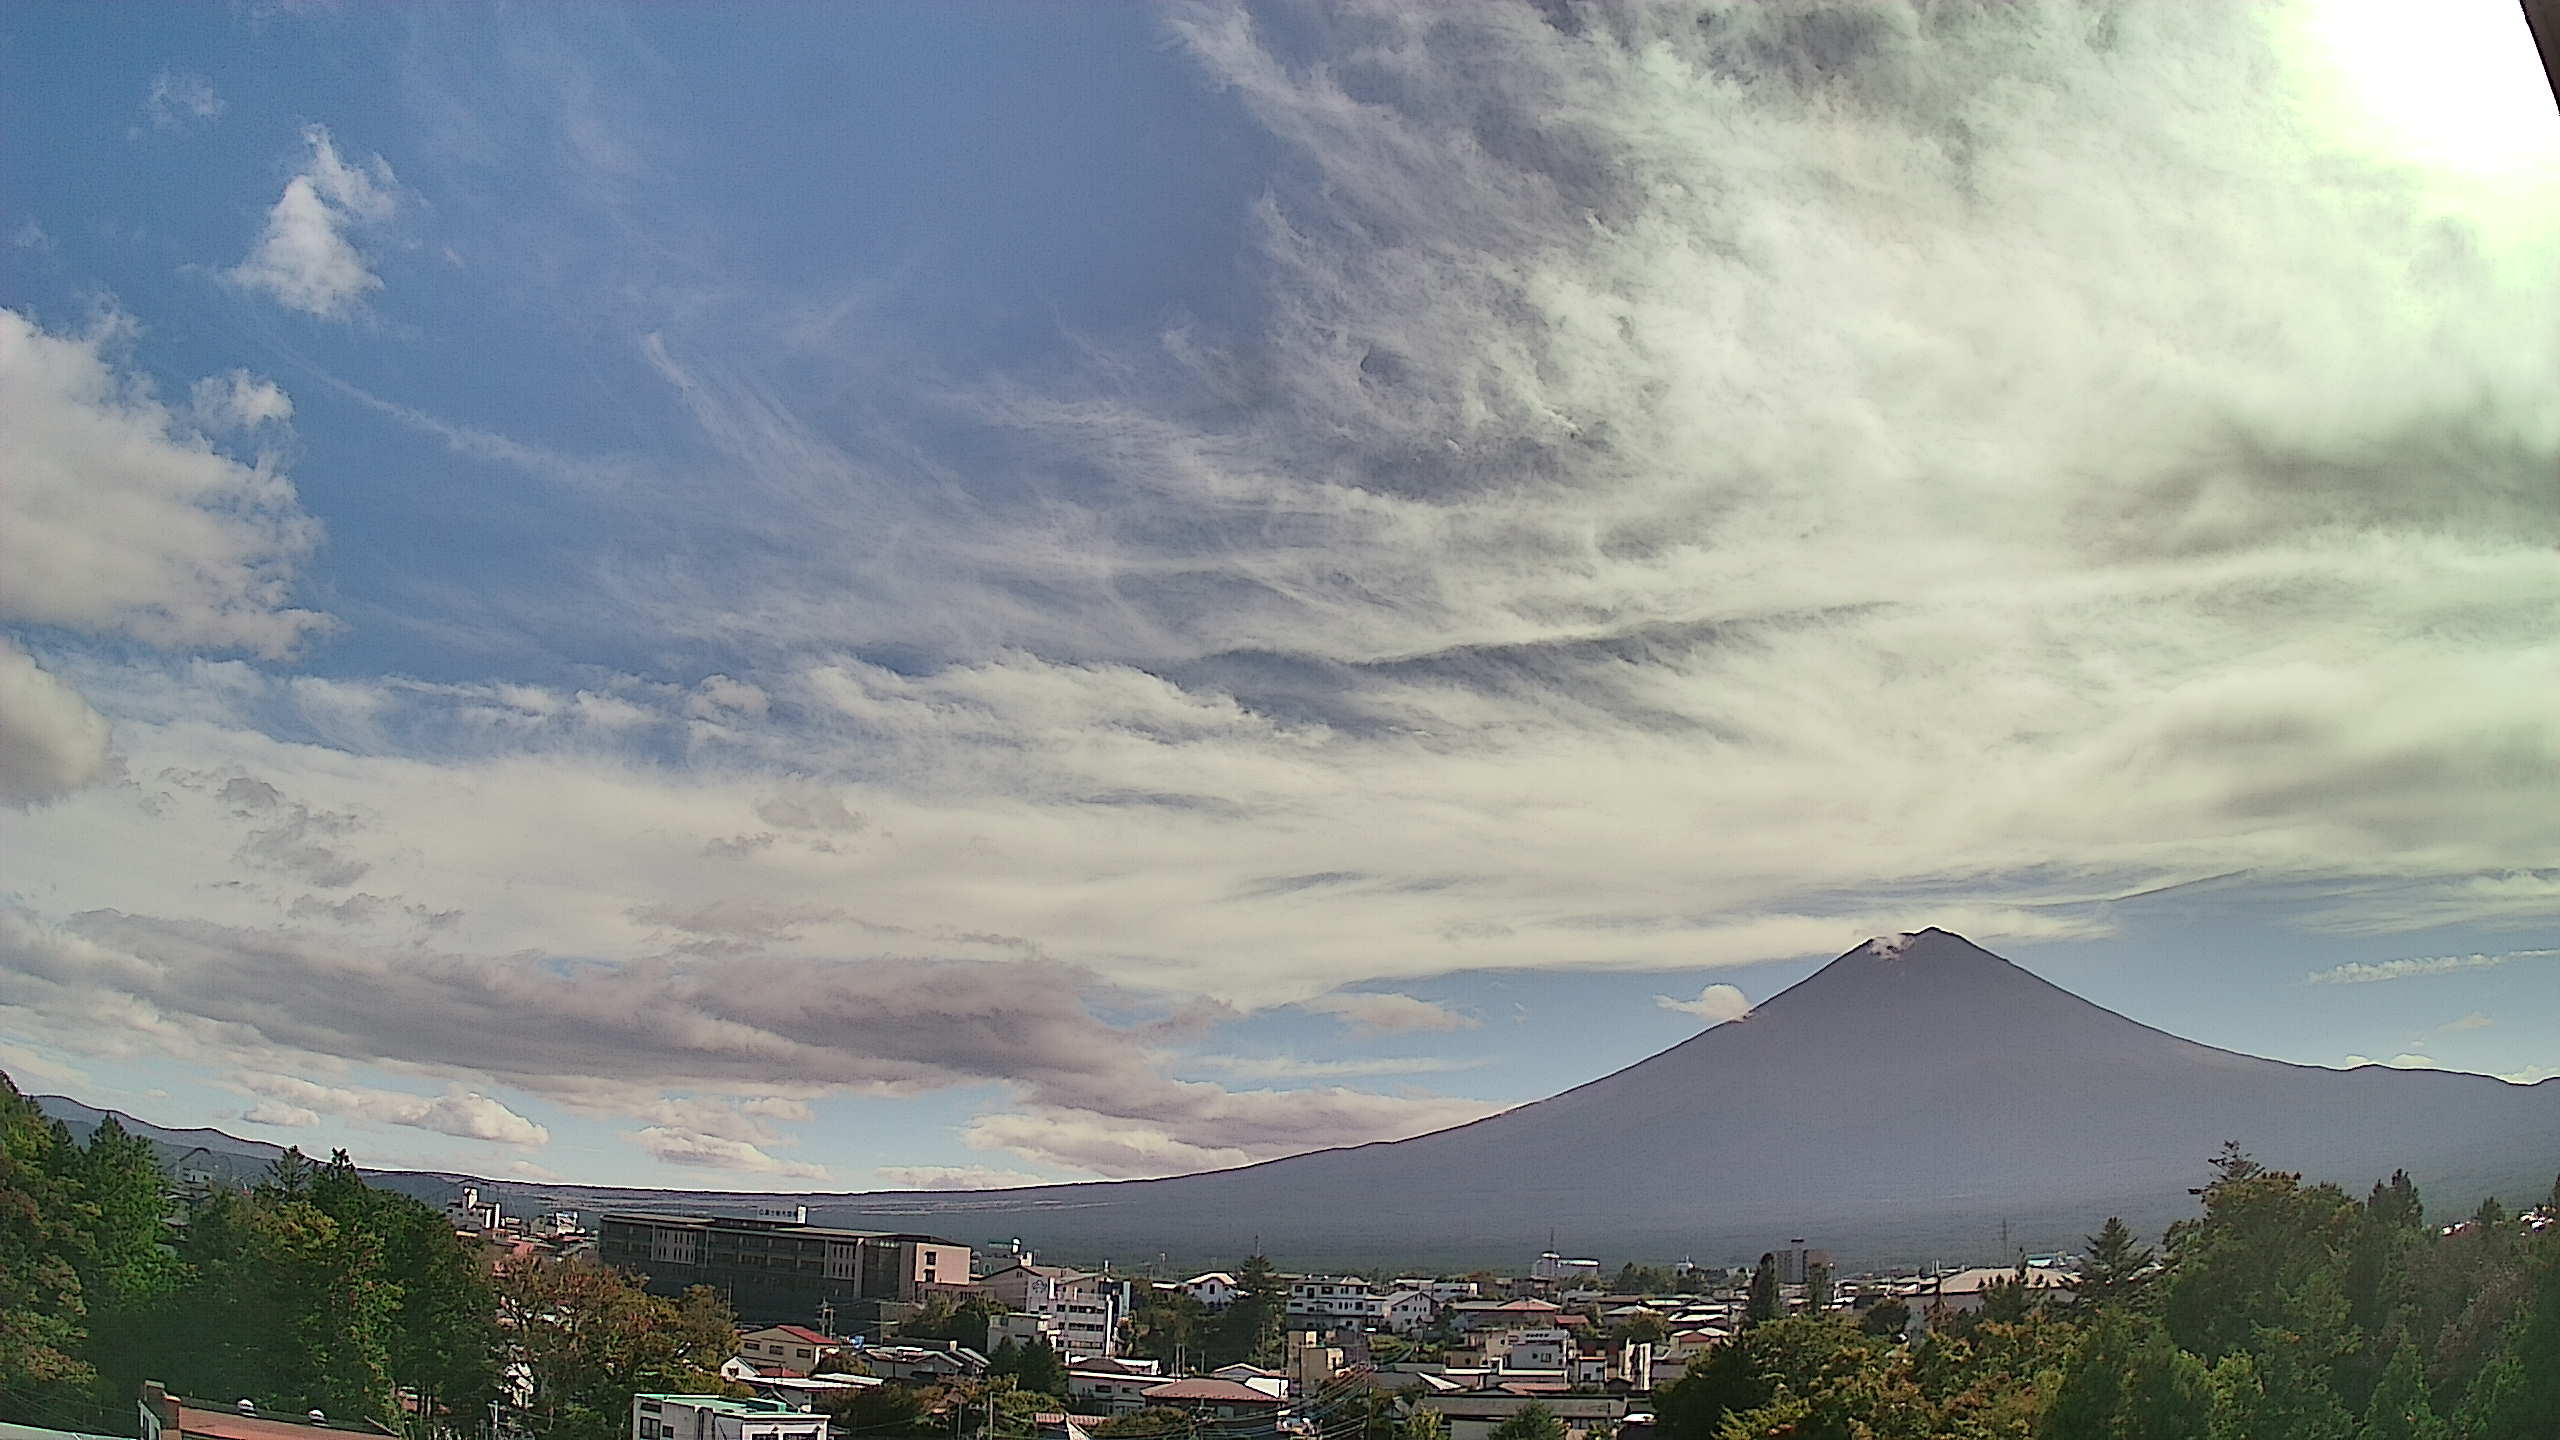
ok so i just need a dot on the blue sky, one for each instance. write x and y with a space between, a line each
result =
929 594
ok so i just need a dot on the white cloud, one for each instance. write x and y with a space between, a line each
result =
1385 1013
24 1063
1715 1004
239 401
51 741
461 1113
304 259
1290 1067
179 99
956 1177
280 1114
117 518
2368 972
2396 1062
695 1150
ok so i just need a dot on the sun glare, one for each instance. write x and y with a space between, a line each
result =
2453 85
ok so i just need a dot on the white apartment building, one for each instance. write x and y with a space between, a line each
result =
1348 1300
717 1417
1442 1292
1543 1349
1085 1307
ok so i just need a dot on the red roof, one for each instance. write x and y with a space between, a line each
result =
803 1332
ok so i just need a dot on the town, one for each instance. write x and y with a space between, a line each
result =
842 1332
178 1303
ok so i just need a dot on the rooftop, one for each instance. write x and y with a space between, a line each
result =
1208 1389
758 1223
724 1404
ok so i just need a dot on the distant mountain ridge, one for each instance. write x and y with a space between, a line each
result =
1915 1099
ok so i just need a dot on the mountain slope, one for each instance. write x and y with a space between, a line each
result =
1905 1100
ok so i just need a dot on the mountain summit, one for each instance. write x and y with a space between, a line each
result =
1914 1098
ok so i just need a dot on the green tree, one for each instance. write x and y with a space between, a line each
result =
967 1322
443 1340
1817 1288
1034 1367
1890 1316
1532 1421
1851 1377
880 1410
1143 1424
2126 1381
2113 1270
2007 1299
2516 1396
1168 1325
42 1308
2238 1397
2263 1240
589 1338
1424 1425
1762 1306
2399 1409
289 1175
1250 1330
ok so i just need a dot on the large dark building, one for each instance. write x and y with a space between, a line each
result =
779 1268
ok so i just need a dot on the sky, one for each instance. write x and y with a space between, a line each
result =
930 595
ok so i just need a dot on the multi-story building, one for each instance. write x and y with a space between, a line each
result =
1442 1292
1345 1300
776 1269
1087 1307
717 1417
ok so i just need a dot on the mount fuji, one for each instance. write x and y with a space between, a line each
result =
1916 1099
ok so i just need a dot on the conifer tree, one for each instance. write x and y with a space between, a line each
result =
1762 1306
2113 1269
2399 1409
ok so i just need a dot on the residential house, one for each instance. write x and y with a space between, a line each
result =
1209 1398
1215 1290
1468 1317
718 1417
925 1363
1475 1414
1442 1292
795 1348
1111 1387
